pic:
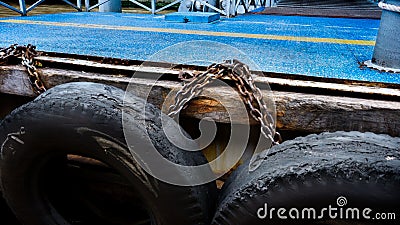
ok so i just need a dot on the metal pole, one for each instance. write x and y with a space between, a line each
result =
87 5
22 7
153 7
228 9
386 55
79 4
232 9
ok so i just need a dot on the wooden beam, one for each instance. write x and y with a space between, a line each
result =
14 80
295 111
361 88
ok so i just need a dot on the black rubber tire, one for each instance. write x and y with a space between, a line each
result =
51 122
314 171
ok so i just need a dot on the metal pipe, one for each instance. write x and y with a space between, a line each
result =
34 5
109 6
169 5
140 4
87 5
22 7
386 55
10 7
153 7
77 7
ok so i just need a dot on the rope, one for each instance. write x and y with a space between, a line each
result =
389 7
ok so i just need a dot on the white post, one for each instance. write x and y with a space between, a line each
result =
228 9
231 11
153 7
87 5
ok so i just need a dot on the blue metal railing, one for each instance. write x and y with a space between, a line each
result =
23 10
232 6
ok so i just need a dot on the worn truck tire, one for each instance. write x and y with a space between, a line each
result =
341 169
67 122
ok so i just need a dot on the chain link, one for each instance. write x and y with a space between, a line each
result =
250 94
27 54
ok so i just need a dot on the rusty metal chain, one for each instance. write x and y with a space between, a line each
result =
250 94
27 54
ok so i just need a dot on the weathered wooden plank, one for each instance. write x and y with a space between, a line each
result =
295 111
318 113
85 63
13 80
360 88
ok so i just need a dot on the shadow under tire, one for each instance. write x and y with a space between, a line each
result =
44 184
341 169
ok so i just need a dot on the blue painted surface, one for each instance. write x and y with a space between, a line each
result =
289 57
192 17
